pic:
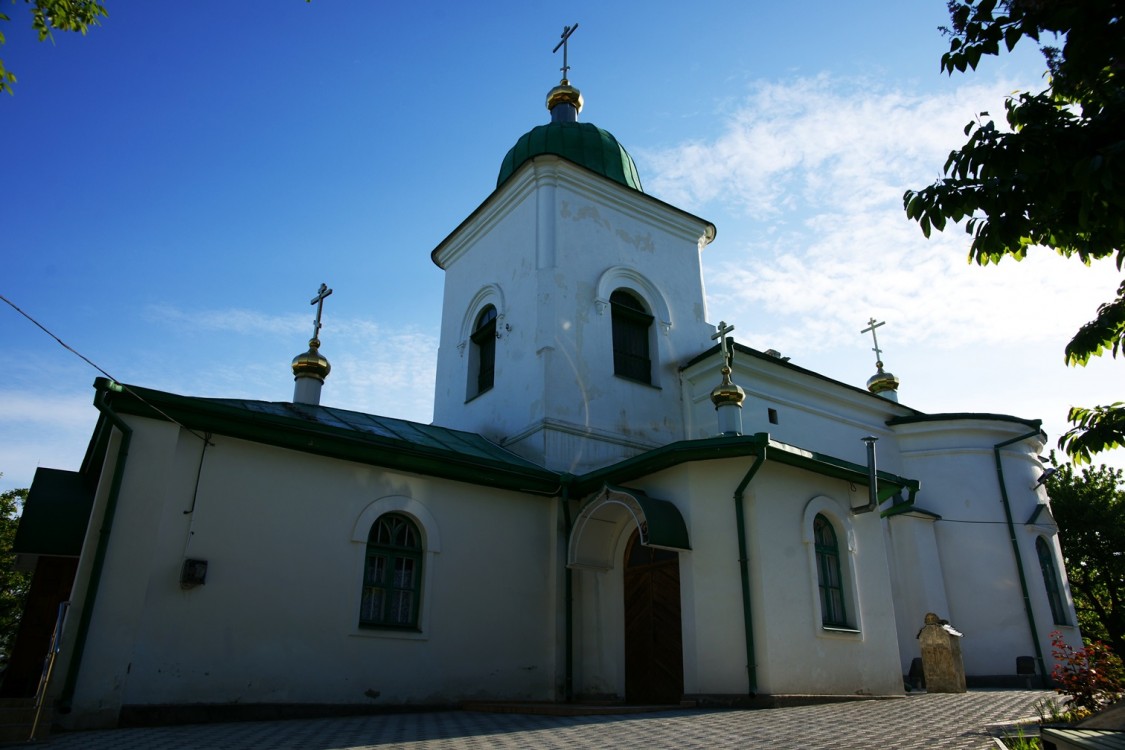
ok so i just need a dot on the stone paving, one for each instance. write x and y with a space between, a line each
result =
933 722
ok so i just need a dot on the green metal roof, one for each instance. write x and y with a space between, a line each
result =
55 514
580 142
663 525
954 416
734 446
343 434
446 453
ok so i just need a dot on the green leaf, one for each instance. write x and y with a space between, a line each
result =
1012 35
1096 429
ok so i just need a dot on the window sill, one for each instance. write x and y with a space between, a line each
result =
478 394
638 382
377 632
838 631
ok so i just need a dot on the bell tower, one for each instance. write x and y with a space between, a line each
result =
571 300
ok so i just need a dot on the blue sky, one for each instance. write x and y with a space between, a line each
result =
178 182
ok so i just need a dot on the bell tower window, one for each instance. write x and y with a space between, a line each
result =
631 326
482 364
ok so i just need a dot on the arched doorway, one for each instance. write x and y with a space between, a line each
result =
654 657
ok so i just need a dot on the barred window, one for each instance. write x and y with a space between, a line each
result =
631 324
392 574
483 361
1051 581
832 611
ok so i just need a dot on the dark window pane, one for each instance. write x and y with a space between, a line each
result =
484 341
392 577
631 324
828 573
1051 581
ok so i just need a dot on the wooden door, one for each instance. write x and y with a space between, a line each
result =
654 660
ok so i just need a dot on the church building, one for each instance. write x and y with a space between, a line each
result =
615 502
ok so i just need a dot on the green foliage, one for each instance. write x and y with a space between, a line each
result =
1021 741
1055 177
60 15
1089 508
1057 712
13 583
1092 677
1095 429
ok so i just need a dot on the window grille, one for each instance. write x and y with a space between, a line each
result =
484 341
631 324
831 583
1051 581
392 574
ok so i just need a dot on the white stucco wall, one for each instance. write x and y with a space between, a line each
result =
549 248
917 579
277 620
812 412
955 462
963 568
794 654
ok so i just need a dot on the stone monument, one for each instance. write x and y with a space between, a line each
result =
941 656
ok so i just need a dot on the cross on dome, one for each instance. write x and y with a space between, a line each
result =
721 335
567 31
318 300
871 326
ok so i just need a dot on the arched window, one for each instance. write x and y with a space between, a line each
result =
832 612
1051 581
482 364
631 325
392 574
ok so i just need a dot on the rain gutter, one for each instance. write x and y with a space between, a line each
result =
568 596
101 402
1016 547
744 565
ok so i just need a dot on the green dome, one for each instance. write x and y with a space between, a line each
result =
580 142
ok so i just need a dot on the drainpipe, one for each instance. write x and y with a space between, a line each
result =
102 404
872 479
1016 548
568 583
744 563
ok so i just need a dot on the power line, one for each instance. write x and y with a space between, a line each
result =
90 362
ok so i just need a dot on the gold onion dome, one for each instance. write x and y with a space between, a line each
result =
312 363
727 392
564 93
882 381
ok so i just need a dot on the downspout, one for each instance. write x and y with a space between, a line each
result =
1016 548
101 403
743 566
568 583
872 479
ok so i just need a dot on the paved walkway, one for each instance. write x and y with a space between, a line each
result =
932 722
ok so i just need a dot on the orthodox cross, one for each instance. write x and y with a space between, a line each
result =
318 300
567 31
871 326
721 335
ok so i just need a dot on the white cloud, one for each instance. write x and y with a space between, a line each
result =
810 174
805 181
42 430
231 320
375 368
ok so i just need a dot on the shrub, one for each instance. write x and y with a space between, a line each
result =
1091 677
